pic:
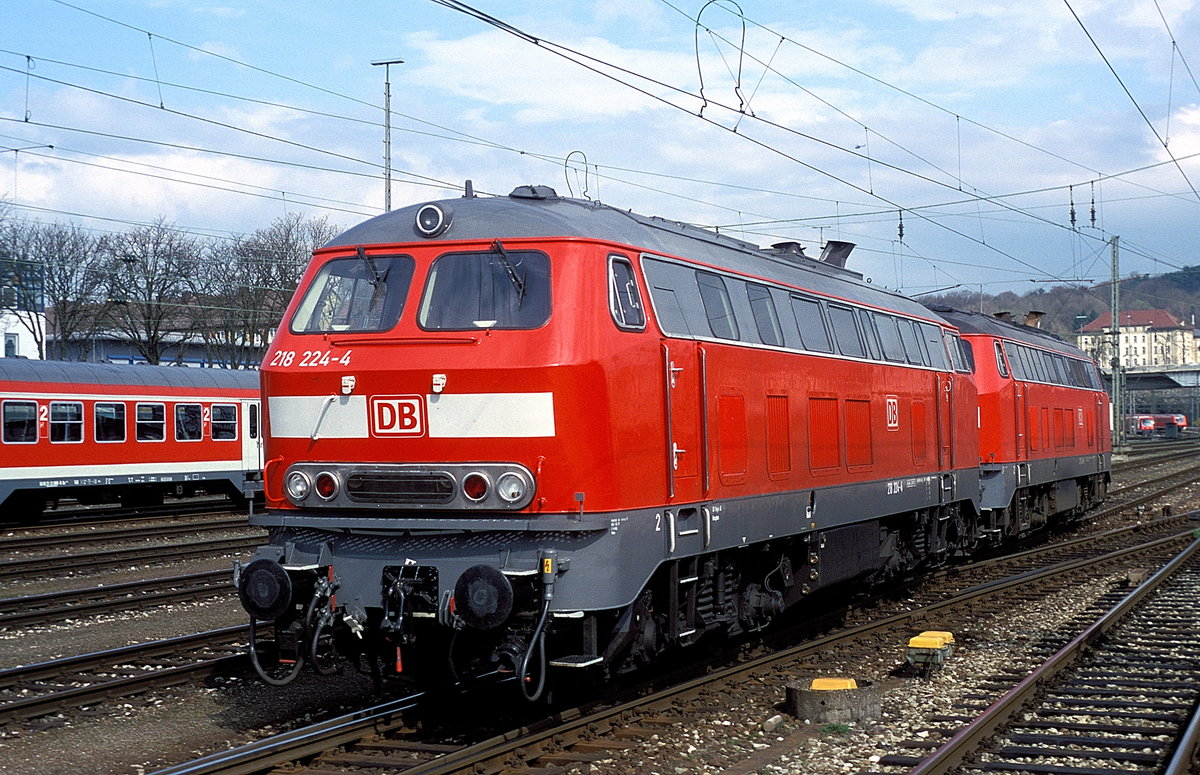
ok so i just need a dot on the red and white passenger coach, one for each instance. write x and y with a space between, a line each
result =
100 433
527 433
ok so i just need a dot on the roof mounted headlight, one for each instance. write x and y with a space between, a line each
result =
297 485
433 219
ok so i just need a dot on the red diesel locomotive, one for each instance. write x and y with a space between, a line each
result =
101 433
1045 436
525 434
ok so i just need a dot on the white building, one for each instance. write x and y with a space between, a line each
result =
18 342
1149 337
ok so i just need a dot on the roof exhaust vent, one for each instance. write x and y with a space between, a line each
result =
1034 318
836 252
789 248
1006 316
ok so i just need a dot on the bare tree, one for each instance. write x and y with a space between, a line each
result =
146 270
73 289
246 285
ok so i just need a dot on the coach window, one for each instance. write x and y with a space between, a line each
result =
253 421
889 337
954 347
717 306
935 348
765 318
912 345
1000 364
20 422
870 335
224 422
845 331
109 421
359 293
1079 375
151 422
499 288
624 299
1016 360
66 422
811 324
188 422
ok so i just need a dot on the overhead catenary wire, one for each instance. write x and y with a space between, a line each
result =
615 172
607 69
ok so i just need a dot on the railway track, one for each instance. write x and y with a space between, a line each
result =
83 602
1120 698
72 516
62 685
96 533
133 595
108 558
377 740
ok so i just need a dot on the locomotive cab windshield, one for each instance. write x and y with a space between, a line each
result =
355 294
494 289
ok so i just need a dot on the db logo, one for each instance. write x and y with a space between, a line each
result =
397 415
893 413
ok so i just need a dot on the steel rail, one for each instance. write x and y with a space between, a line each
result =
31 542
282 749
967 740
27 707
21 567
56 606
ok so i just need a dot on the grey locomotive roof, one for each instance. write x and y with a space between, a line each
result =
536 211
978 323
133 376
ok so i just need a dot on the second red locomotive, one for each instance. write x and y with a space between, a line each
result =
528 433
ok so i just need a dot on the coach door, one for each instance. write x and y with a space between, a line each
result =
252 454
686 430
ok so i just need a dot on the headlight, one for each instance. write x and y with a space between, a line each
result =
298 486
511 487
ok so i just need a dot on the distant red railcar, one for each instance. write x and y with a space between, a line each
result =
101 433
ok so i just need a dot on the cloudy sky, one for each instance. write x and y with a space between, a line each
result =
974 125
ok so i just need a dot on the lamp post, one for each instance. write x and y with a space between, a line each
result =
387 129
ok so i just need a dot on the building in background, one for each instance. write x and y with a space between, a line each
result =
22 308
1149 338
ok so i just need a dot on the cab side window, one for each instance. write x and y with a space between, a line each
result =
624 299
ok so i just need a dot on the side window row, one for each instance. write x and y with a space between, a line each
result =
1033 365
66 420
741 310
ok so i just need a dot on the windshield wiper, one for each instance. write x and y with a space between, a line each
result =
376 277
506 262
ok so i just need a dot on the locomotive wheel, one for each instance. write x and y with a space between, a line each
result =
267 662
322 651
